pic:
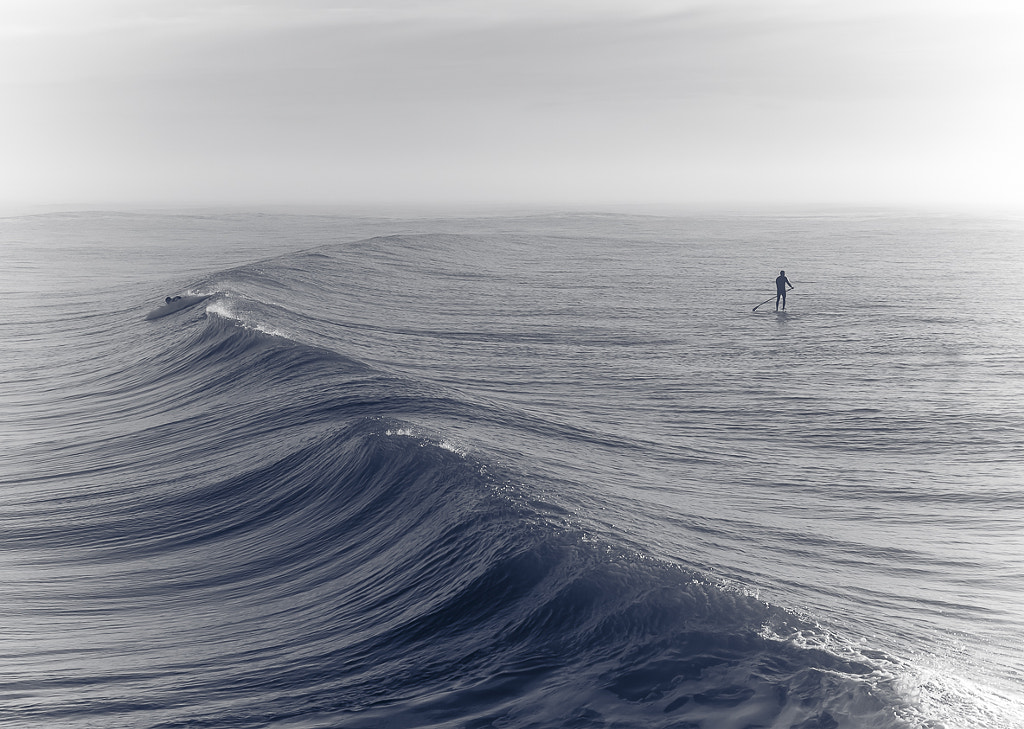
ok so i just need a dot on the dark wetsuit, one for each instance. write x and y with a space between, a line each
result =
780 290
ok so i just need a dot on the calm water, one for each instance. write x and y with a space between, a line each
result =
519 472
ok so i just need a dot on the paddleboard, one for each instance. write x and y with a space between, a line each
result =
176 304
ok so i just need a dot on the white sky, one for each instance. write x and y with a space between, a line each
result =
556 102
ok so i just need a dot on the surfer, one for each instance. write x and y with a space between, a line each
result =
780 290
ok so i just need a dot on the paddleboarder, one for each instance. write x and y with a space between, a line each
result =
780 290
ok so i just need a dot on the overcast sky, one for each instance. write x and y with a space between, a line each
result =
554 102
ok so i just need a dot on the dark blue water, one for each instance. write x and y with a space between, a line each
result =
534 472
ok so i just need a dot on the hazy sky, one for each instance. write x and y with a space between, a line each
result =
562 102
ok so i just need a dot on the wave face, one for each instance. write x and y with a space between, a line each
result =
435 480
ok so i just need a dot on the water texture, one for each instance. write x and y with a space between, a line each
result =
535 471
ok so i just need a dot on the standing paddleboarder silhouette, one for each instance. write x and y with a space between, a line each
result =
780 290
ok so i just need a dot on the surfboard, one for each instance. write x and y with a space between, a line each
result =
176 305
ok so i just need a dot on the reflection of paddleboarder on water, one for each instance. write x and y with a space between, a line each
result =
780 290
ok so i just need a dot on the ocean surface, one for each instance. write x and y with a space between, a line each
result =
515 472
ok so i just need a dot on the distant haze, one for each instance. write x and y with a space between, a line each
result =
553 102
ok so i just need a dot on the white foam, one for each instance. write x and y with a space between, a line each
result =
221 308
945 695
426 440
